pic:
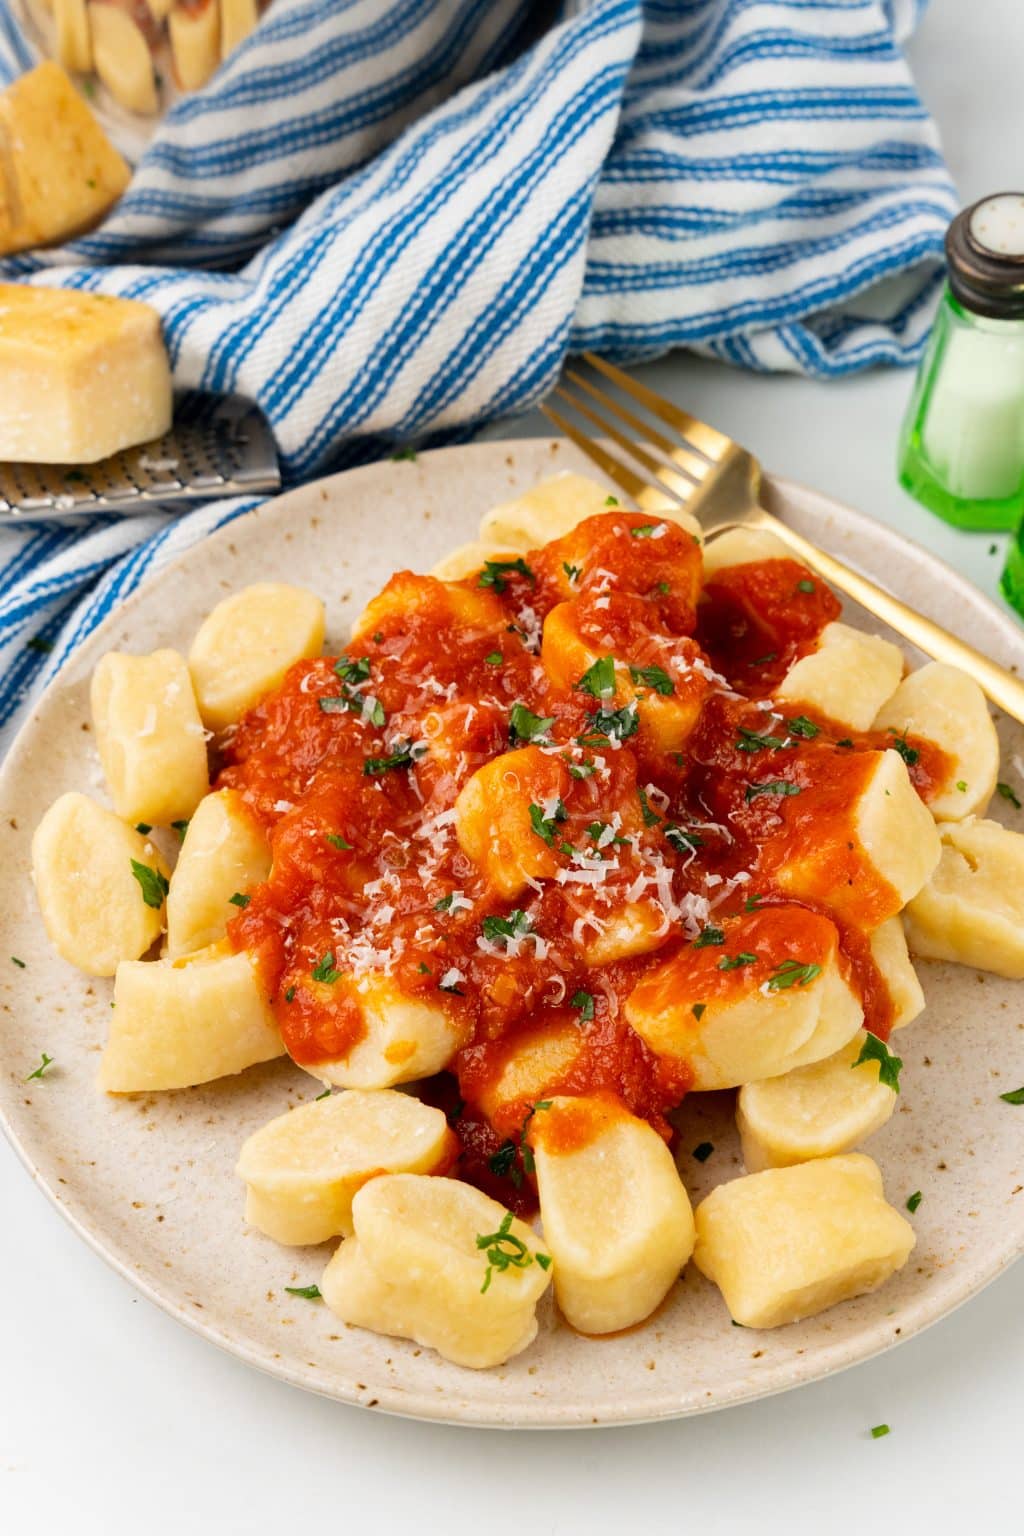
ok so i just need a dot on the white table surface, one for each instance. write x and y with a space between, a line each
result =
114 1419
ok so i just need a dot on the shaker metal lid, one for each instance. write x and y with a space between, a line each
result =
985 252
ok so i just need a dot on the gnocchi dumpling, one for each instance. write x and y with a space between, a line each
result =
972 909
892 834
819 1110
848 677
225 853
237 19
195 42
100 885
436 1261
245 646
74 43
121 58
548 511
149 735
742 546
176 1023
944 705
303 1169
468 559
615 1214
888 945
635 929
788 1005
404 1038
538 1060
492 818
789 1242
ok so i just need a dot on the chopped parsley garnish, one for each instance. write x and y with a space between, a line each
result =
599 680
494 658
337 841
334 705
611 501
801 726
378 638
451 986
493 573
900 744
239 899
424 968
503 1250
572 571
662 588
1008 793
703 1151
753 903
889 1066
503 1162
324 969
791 973
545 826
524 725
544 1260
645 530
1015 1096
650 817
307 1292
581 770
289 996
47 1061
403 453
611 725
325 1095
352 672
709 936
771 787
752 741
806 586
584 1001
761 661
914 1201
734 962
845 742
698 1010
19 963
961 785
654 677
37 643
181 827
373 767
153 884
143 827
376 716
445 902
498 929
682 839
878 1430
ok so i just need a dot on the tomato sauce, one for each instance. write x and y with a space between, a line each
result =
654 732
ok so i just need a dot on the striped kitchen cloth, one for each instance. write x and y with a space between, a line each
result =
388 221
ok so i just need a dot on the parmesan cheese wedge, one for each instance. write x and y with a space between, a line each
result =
303 1170
83 375
59 173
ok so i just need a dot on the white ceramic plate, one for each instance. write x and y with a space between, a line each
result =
149 1181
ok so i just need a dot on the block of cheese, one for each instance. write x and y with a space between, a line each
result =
81 375
59 173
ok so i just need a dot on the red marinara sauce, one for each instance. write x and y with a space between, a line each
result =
642 725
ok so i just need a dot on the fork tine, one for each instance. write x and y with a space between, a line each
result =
712 443
689 463
624 477
679 487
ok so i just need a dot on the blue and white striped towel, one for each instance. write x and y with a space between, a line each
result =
389 220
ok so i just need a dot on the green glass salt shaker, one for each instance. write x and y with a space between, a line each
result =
962 445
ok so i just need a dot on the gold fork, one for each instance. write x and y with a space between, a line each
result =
716 480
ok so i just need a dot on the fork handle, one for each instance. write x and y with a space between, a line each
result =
1000 685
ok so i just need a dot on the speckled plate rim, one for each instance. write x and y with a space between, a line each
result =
862 542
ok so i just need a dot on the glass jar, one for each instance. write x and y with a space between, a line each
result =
962 445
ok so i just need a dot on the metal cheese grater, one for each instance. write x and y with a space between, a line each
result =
216 447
